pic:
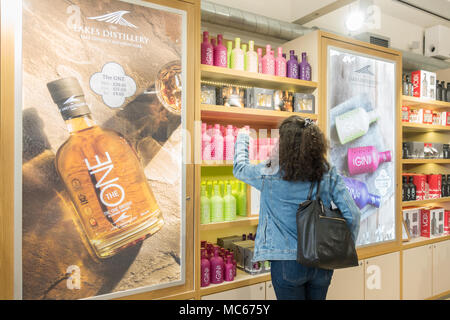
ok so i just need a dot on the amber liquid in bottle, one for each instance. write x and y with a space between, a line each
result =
104 178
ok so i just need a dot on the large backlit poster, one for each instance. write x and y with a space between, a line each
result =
102 175
361 117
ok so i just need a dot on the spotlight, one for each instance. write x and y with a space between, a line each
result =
355 21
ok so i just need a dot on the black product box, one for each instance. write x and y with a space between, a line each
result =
304 103
424 150
260 98
239 251
283 100
208 94
231 96
227 242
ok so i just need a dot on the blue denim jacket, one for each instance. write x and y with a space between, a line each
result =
276 236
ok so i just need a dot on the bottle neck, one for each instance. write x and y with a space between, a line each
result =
80 123
385 156
374 200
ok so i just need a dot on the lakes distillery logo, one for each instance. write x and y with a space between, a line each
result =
363 76
114 18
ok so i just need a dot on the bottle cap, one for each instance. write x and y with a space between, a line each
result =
69 97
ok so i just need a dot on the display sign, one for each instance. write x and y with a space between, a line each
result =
361 118
103 113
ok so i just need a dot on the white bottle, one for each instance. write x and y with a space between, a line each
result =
354 124
252 58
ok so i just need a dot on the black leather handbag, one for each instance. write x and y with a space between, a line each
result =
323 236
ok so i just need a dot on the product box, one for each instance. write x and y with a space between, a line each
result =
424 84
427 117
447 221
432 222
283 100
436 118
208 94
249 266
415 115
405 113
423 150
260 98
304 103
420 181
231 96
227 242
411 216
239 251
445 118
434 186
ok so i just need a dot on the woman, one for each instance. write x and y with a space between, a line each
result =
284 184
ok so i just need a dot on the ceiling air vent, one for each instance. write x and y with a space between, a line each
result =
374 39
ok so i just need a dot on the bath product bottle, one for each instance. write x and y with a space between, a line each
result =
216 205
229 273
259 53
268 62
252 58
229 144
229 205
205 276
217 267
207 50
365 159
229 50
280 64
220 53
244 51
354 124
237 56
292 66
205 206
242 200
217 144
360 194
206 143
305 68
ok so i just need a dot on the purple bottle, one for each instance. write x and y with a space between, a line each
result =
207 50
229 273
220 53
205 269
217 267
292 66
304 68
360 194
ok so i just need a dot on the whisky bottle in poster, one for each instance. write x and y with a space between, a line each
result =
103 176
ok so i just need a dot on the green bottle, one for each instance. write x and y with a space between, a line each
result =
229 49
244 50
221 188
209 188
242 200
205 207
216 205
229 205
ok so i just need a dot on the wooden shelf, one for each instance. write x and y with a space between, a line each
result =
425 161
248 115
419 203
242 279
239 222
422 241
413 101
260 80
419 127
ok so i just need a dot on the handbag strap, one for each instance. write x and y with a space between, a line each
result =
311 190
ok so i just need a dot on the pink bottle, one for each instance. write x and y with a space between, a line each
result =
220 53
207 50
229 273
206 143
229 143
217 267
268 62
365 159
260 57
280 64
234 264
205 269
217 144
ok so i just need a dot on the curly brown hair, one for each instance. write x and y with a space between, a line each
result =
302 150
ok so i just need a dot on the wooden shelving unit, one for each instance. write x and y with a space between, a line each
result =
417 102
422 241
419 203
245 78
239 222
425 161
419 127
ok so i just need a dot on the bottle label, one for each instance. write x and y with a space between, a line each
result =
360 161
